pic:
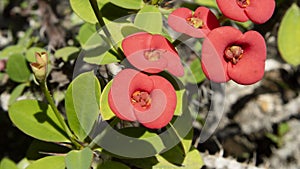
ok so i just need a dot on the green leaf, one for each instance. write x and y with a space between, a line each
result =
129 4
67 53
10 50
16 93
38 120
112 164
196 72
180 94
209 3
17 68
289 36
175 155
50 162
82 103
85 32
106 112
30 53
96 49
84 9
23 163
192 160
152 140
100 56
187 141
7 164
81 159
149 19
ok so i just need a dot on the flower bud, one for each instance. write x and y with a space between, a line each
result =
39 67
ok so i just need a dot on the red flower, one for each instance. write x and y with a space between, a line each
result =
258 11
196 25
228 54
152 53
150 100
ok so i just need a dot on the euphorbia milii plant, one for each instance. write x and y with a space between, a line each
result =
196 24
258 11
149 100
227 54
152 53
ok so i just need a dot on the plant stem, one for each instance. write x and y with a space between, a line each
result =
99 17
50 100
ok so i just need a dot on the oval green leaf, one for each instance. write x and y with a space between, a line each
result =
7 164
85 32
82 103
66 53
129 4
149 19
17 68
84 9
289 36
10 50
50 162
38 120
106 112
79 159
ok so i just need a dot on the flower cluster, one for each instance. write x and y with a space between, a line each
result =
227 54
148 99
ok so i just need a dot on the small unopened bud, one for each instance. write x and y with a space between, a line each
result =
39 67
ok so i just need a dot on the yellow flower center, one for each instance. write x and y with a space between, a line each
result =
142 98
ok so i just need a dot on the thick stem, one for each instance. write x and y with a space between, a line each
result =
47 94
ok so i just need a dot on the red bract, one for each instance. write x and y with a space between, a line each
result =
228 54
150 100
196 25
258 11
152 53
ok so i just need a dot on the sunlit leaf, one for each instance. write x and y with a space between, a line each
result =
85 32
23 163
149 19
84 9
50 162
129 4
106 112
38 120
289 36
193 159
82 103
209 3
81 159
67 53
180 99
7 164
